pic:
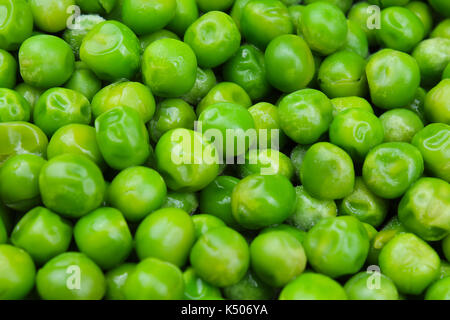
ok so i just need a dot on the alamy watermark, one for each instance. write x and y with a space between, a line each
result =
373 19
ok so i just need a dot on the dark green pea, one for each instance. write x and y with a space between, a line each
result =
84 81
410 262
344 103
8 70
249 288
214 5
264 20
388 3
204 82
437 103
16 25
364 205
58 107
432 56
195 288
357 287
446 247
13 107
327 172
266 161
116 279
400 125
43 234
186 201
342 74
441 6
267 125
344 5
356 39
171 114
186 13
309 211
97 6
337 246
356 131
418 104
205 222
297 155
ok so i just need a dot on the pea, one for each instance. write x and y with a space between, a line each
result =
13 107
19 25
357 287
249 288
195 288
400 125
116 279
437 103
84 81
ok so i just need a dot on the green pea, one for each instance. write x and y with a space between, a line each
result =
195 288
71 185
43 234
356 39
399 88
70 276
221 257
356 131
205 222
17 273
122 138
187 201
327 172
31 94
437 103
266 161
116 279
305 115
74 36
432 56
295 11
21 138
58 107
215 199
364 205
264 20
236 11
260 201
418 104
439 290
363 15
204 82
148 39
342 74
186 12
112 51
134 95
249 288
295 232
51 15
224 92
289 63
324 27
423 12
344 103
410 262
171 114
400 125
46 61
391 168
16 25
309 211
344 5
442 30
84 81
382 287
214 5
297 155
267 125
313 286
97 6
8 70
214 37
13 107
441 6
425 209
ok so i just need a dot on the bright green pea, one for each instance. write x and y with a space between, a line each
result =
171 114
440 290
383 288
21 138
266 161
186 12
324 27
8 70
398 89
356 131
260 201
31 94
344 103
344 5
43 234
186 160
46 61
13 107
17 273
400 125
337 246
305 115
297 233
16 23
187 201
236 11
112 51
76 139
356 39
97 6
308 210
84 81
58 107
437 103
71 185
204 82
442 30
391 168
247 69
400 29
410 262
103 235
425 209
215 199
221 257
148 39
19 186
154 279
122 138
51 15
423 12
267 125
116 279
342 74
224 92
264 20
195 288
167 62
364 205
145 17
249 288
56 280
361 14
327 172
313 286
205 222
126 94
214 37
289 63
432 56
74 36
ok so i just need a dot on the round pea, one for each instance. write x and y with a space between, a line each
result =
249 288
30 93
195 288
205 222
16 23
84 81
186 12
186 201
400 125
266 161
356 39
344 103
439 290
432 56
13 107
437 103
8 70
148 39
382 287
116 279
51 15
204 82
